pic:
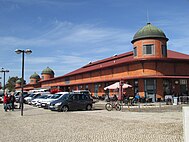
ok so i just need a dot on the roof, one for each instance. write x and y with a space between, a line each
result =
35 76
125 58
48 71
18 81
149 31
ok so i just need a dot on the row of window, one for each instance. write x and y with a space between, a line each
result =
149 49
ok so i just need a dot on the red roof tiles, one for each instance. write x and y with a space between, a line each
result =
121 59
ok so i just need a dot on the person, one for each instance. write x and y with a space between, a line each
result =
125 98
5 101
12 100
136 98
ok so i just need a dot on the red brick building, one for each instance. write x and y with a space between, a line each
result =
150 68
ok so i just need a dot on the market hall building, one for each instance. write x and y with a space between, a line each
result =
151 69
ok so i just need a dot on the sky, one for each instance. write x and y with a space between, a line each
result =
67 34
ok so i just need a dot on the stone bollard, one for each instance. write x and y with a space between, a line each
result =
186 123
139 109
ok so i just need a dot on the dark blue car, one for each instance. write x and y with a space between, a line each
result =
72 101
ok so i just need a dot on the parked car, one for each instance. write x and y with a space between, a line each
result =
46 103
25 94
37 95
28 97
74 101
82 92
37 100
1 97
38 104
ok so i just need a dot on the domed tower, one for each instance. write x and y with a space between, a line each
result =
47 73
18 83
34 78
150 42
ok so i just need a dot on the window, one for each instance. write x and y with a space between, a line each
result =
76 97
135 86
86 87
135 51
164 50
150 89
148 49
183 87
67 80
183 81
167 87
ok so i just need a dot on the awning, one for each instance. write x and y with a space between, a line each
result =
116 86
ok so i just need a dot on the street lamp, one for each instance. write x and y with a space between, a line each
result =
0 83
4 71
18 51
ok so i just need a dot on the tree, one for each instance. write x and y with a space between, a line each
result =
10 85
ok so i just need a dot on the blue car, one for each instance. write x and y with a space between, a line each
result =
72 101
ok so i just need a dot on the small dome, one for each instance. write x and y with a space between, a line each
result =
149 31
35 76
48 71
18 81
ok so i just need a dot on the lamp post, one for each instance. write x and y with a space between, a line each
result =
0 83
4 71
18 51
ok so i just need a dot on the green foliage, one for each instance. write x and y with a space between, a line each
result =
10 85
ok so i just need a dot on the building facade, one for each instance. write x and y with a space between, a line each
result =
152 70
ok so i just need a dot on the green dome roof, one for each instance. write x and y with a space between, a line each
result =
35 76
48 71
149 31
18 81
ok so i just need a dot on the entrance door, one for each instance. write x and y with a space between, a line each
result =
150 89
96 90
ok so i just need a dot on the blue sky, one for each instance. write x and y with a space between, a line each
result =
67 34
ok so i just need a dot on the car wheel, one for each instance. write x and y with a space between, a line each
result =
65 108
89 107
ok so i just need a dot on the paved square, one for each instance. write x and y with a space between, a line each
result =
39 125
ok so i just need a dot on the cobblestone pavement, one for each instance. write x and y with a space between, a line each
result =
40 125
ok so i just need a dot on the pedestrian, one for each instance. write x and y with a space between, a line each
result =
5 101
12 100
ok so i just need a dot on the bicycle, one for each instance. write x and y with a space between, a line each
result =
110 105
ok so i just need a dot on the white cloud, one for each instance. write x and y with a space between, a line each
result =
66 35
41 60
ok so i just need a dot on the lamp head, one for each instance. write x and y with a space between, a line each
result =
18 51
28 51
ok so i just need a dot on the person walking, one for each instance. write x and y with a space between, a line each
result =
12 100
5 101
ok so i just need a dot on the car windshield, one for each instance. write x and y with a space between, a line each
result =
36 96
65 97
25 95
31 95
55 96
49 96
43 97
